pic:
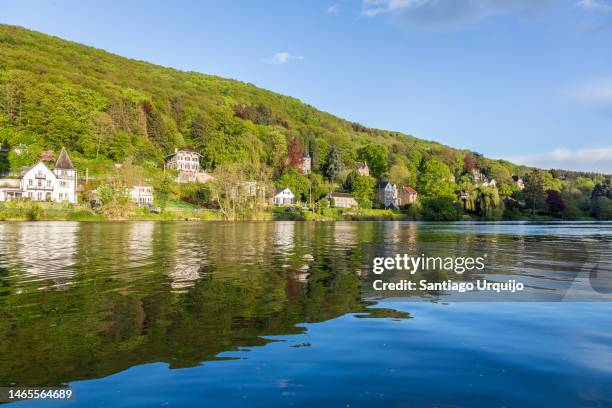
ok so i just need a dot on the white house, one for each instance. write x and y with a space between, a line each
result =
142 195
39 183
342 200
283 196
387 194
184 159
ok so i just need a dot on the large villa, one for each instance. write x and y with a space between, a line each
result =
39 183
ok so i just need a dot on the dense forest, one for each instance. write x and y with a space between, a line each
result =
107 109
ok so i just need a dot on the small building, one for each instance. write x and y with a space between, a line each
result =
387 194
10 189
184 159
518 182
489 183
283 196
39 183
406 195
305 166
341 200
480 178
142 195
362 169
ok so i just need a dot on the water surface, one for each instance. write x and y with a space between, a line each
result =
278 314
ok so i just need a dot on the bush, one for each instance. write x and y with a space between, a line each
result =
440 209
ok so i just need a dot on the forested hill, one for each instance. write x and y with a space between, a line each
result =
101 106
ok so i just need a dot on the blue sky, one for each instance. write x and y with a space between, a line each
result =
526 80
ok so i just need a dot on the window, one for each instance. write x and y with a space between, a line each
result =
30 182
48 183
61 196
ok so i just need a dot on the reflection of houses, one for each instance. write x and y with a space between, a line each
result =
42 184
284 236
45 253
283 196
140 242
387 194
406 195
142 195
305 166
362 169
341 200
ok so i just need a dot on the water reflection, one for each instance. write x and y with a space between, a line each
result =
186 293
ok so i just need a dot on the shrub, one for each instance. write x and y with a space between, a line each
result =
440 209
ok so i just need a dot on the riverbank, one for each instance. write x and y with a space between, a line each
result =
34 211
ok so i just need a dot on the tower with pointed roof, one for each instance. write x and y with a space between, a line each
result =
66 178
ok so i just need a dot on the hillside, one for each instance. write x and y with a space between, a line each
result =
63 92
107 109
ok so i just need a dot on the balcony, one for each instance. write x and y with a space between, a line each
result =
44 188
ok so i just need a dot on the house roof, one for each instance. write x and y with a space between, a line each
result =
63 161
408 190
382 184
280 190
360 165
184 149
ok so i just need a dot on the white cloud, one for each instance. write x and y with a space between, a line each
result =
594 5
282 58
448 13
334 9
597 94
596 160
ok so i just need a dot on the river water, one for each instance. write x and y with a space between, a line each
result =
282 314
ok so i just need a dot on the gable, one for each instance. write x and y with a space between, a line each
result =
37 169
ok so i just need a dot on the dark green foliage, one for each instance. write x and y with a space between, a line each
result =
602 208
554 202
333 164
534 192
440 209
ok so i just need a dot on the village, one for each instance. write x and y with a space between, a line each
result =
62 182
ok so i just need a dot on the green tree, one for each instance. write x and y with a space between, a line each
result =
363 188
400 175
436 180
602 208
333 164
534 192
440 209
377 157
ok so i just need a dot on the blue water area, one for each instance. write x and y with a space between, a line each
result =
461 354
275 315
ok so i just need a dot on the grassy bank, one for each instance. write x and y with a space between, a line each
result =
32 211
35 211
